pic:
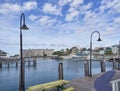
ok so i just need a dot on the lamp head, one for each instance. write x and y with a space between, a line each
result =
24 27
99 39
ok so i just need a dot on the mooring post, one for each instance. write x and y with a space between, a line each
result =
29 63
113 63
118 64
34 62
16 63
60 71
102 64
8 64
0 64
86 68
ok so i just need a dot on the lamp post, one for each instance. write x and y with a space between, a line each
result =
90 73
119 56
22 68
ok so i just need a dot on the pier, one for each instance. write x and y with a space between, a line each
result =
16 61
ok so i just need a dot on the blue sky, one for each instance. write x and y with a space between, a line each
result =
59 24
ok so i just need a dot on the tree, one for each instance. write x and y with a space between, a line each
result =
68 51
108 51
59 53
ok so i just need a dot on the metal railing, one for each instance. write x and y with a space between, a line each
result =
115 85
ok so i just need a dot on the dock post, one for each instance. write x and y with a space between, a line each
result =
0 64
118 64
16 63
60 71
34 62
86 68
102 64
8 64
29 63
113 63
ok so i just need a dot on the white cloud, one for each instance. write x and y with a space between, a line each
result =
116 7
57 31
46 20
32 17
88 6
112 5
7 8
63 2
117 20
51 9
71 16
76 9
75 3
30 5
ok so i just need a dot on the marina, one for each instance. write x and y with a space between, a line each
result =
46 70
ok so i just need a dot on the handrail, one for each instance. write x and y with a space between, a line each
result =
115 85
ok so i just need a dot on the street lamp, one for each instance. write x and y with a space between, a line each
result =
119 56
90 73
22 68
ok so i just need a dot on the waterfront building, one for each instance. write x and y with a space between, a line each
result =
115 49
108 54
3 54
74 50
95 51
101 51
82 50
37 52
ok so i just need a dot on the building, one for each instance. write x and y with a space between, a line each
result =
74 50
3 54
115 49
95 51
37 52
101 51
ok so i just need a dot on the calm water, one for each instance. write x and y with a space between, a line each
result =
46 70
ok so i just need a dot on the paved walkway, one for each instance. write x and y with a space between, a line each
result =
91 83
102 83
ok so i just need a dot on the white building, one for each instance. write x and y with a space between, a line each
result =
37 52
115 50
3 54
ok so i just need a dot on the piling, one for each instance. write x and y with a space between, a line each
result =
28 63
60 71
8 64
0 64
86 68
114 64
102 64
16 63
118 64
34 62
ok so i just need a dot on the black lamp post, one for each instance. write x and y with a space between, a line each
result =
119 56
22 68
90 73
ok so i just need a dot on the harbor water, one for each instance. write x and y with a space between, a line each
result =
45 70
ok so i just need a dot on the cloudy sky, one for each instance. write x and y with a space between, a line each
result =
59 23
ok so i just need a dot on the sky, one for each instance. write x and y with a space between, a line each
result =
57 24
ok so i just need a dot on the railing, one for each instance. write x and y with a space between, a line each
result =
115 85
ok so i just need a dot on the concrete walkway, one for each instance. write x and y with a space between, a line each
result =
103 82
91 83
